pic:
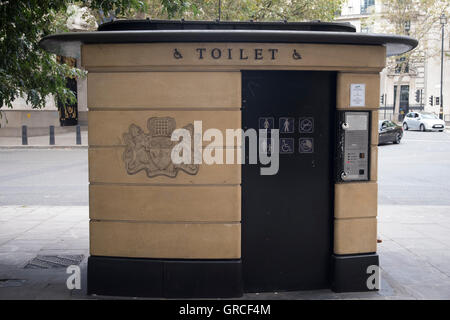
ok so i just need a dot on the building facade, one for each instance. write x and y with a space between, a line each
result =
419 81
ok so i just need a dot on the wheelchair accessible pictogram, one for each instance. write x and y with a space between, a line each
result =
286 145
306 125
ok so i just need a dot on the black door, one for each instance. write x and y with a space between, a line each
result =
404 101
287 217
68 112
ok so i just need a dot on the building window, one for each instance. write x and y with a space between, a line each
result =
366 4
407 26
401 63
398 68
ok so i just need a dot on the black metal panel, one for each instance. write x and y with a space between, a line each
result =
350 273
118 25
139 277
287 218
126 277
202 279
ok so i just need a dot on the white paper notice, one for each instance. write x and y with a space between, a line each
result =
357 95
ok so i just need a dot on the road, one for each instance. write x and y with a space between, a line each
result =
415 172
44 177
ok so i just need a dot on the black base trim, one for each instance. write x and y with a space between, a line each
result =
350 273
134 277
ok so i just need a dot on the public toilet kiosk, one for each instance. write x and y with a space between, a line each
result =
303 217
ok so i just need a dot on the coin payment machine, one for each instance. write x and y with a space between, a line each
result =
353 146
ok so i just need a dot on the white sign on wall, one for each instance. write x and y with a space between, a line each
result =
357 95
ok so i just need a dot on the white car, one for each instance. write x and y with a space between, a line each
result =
423 121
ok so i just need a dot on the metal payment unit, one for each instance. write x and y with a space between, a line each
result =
353 152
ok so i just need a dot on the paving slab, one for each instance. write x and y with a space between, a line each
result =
414 254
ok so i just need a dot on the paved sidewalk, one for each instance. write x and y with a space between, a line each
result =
28 231
414 254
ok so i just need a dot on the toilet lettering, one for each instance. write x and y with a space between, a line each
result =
230 54
247 54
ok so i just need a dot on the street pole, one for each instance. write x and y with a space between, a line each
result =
421 100
443 20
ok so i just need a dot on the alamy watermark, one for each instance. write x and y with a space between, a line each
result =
74 280
190 150
374 280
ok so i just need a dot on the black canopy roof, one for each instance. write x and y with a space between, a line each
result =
150 31
121 25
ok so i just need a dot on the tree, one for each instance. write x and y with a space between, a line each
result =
28 71
25 69
415 18
257 10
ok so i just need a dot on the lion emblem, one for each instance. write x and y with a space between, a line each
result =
150 152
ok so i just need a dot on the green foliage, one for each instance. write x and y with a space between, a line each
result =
257 10
25 69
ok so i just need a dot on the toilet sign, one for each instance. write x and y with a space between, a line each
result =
243 53
266 123
286 125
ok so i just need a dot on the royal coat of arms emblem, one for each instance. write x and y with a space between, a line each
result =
151 152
